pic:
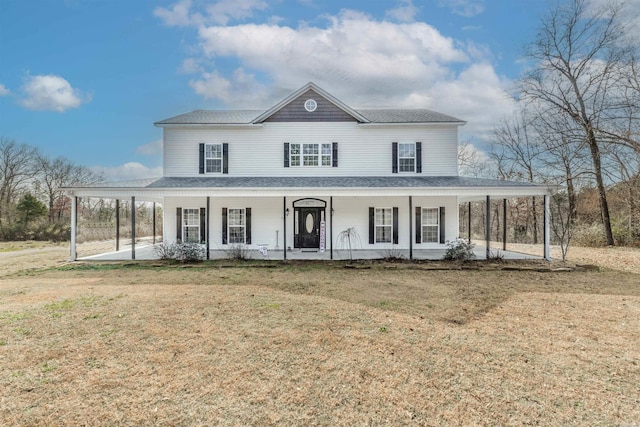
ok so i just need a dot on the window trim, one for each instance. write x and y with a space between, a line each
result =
400 158
185 226
424 224
244 226
322 160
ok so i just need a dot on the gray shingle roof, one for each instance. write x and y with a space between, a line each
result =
330 182
216 117
213 117
407 116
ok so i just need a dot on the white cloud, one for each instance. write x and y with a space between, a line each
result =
224 11
176 16
405 12
127 171
3 90
153 148
466 8
220 12
397 65
50 93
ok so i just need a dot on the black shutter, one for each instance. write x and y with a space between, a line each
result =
395 226
286 154
418 224
225 158
224 226
201 158
394 157
247 225
203 225
442 224
334 155
418 157
372 226
179 225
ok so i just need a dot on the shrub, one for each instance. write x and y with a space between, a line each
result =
459 250
238 252
393 255
589 236
183 252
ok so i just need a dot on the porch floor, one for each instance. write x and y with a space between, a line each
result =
148 252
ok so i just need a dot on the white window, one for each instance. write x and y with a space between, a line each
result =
407 157
213 158
430 225
312 155
236 224
191 225
384 225
294 154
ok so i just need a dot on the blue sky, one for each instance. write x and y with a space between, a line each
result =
86 79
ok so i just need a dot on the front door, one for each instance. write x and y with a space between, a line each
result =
309 228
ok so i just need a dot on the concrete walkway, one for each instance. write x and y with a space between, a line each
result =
148 252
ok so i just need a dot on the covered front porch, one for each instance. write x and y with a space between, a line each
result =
340 203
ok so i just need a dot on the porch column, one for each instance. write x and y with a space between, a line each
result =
154 223
74 226
547 214
504 224
469 223
487 227
331 225
410 228
284 227
133 227
206 224
117 225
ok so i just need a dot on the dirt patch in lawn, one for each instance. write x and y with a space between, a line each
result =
313 344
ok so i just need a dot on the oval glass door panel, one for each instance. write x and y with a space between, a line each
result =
309 222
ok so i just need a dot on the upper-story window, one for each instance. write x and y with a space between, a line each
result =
213 158
407 157
310 154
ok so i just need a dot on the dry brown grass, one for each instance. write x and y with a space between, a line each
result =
309 344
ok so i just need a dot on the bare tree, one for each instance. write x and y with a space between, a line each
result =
16 170
516 148
52 175
577 53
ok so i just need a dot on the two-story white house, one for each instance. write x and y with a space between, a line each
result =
292 178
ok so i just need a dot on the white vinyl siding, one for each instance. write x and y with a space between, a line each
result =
384 225
364 150
236 224
430 225
213 158
191 225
